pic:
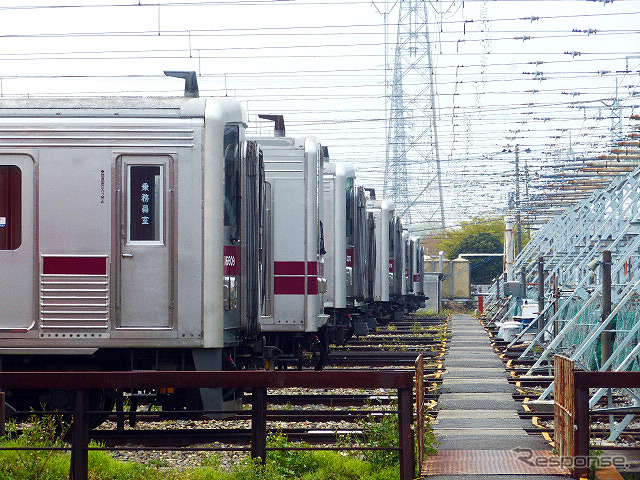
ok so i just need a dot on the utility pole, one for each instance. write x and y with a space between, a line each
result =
518 219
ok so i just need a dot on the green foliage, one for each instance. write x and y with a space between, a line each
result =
481 235
45 432
378 431
423 313
103 466
211 460
336 466
289 463
253 470
281 464
382 431
417 328
452 237
430 439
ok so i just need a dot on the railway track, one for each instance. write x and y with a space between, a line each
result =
315 418
542 422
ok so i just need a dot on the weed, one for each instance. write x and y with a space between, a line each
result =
289 463
417 328
211 460
281 464
378 431
430 440
250 469
39 432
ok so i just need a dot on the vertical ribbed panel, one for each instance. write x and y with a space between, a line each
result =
74 302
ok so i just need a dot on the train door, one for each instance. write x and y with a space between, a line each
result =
17 254
360 242
145 293
253 172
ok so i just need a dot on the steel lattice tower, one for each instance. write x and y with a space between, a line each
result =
412 167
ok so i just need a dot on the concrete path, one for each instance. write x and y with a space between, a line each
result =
478 428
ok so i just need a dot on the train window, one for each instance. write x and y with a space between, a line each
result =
146 187
232 179
350 206
10 207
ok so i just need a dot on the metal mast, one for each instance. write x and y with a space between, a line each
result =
413 156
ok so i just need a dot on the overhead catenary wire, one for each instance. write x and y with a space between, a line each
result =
537 109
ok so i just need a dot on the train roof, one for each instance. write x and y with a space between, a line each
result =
123 107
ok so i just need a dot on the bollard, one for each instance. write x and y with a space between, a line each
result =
606 336
540 293
3 415
405 411
504 286
80 437
259 424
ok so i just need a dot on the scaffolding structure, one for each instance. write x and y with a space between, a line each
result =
583 270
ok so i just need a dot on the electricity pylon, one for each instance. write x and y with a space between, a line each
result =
412 168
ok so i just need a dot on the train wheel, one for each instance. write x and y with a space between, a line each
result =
101 402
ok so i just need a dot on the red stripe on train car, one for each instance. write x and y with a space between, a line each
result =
74 265
289 285
350 253
312 286
232 256
312 268
289 268
416 278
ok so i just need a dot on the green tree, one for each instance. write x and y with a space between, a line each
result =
483 269
480 235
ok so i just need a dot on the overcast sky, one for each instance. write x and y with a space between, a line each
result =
540 74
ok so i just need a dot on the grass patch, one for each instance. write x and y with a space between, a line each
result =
281 464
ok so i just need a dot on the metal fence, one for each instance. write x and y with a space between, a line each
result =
572 409
258 382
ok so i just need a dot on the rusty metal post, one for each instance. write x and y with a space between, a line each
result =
540 293
420 409
581 461
3 415
119 411
556 297
80 438
607 336
259 424
504 286
405 410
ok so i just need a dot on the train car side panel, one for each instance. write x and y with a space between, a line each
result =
18 211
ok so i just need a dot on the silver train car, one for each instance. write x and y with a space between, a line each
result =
293 319
350 258
151 234
415 274
388 280
130 239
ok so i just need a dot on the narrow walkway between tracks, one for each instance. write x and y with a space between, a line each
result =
479 432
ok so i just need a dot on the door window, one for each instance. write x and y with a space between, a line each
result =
10 207
232 180
350 206
146 204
